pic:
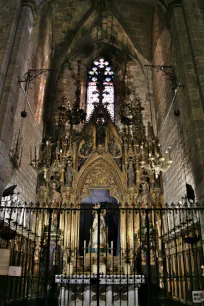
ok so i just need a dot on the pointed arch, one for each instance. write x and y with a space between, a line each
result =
100 172
92 29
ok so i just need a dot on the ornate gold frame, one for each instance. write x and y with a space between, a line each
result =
100 171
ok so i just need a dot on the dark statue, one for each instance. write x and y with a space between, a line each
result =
144 199
100 135
131 174
69 174
113 149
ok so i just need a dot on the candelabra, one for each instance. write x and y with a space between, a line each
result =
147 148
155 161
50 154
57 153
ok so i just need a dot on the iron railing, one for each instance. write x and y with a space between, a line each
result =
101 255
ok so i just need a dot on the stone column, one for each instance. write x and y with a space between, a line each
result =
195 33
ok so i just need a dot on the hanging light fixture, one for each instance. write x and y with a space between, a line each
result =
155 162
148 148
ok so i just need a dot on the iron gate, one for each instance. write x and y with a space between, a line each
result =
100 255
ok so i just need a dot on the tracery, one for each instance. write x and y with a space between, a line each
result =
100 73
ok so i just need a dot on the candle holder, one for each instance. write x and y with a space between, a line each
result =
147 148
157 162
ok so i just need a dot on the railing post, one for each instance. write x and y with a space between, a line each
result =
47 258
148 255
98 260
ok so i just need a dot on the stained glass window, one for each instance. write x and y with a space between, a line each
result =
100 72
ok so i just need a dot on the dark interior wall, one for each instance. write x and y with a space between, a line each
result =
137 20
31 43
183 133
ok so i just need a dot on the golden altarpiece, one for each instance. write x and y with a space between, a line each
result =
126 163
100 158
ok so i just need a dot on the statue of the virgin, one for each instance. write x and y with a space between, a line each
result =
94 231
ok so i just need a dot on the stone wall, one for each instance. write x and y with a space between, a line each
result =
13 128
183 133
67 18
137 20
9 20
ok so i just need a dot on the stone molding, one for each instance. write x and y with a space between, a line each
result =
170 7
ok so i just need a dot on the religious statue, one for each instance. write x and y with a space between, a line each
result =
69 174
94 232
55 196
100 134
41 179
131 174
113 149
144 199
85 148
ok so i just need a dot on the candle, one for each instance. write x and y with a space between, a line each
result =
159 154
60 155
169 153
142 152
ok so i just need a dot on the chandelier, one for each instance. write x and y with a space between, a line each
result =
155 162
55 154
147 147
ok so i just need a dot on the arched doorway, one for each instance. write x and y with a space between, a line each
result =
111 218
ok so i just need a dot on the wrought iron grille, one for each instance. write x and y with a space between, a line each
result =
101 255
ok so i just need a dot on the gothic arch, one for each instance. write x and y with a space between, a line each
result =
88 30
100 172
